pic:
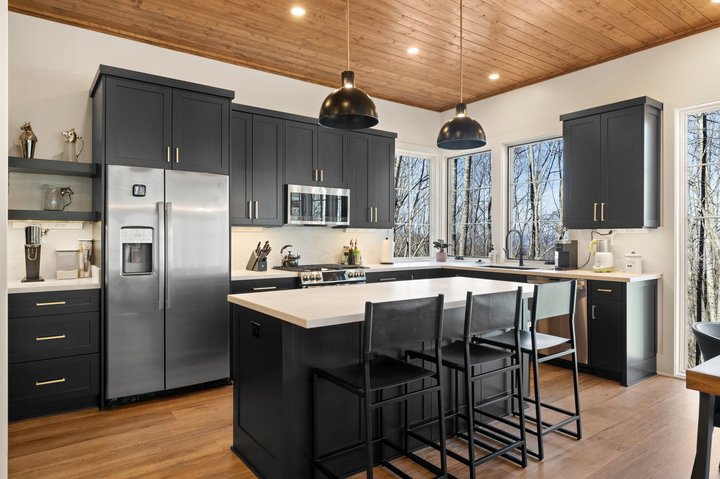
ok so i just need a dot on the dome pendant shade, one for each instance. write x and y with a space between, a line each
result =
348 107
461 132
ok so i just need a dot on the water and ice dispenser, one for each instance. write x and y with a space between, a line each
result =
137 250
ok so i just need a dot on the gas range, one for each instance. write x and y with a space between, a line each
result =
326 274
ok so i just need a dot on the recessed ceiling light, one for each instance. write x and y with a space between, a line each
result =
714 1
413 50
494 76
297 11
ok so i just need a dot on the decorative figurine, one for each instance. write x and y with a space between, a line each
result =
71 153
27 140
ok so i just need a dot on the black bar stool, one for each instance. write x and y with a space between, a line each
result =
484 314
390 326
550 300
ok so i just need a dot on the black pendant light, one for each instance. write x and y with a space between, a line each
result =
348 107
461 132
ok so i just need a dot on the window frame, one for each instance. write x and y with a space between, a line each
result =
508 193
433 158
448 189
681 219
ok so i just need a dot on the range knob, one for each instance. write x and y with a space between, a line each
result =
317 277
351 274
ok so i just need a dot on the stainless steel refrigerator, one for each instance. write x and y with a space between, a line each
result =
166 279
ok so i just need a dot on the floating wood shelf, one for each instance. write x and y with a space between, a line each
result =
51 167
42 215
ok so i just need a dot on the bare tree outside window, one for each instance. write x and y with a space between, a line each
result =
412 206
469 204
536 195
703 223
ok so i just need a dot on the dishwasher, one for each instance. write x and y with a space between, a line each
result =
559 325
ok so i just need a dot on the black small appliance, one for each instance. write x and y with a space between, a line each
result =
566 254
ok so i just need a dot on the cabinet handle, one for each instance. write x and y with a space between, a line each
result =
370 212
265 288
594 211
168 154
322 175
602 211
250 210
376 220
592 312
49 338
256 209
388 279
603 290
51 303
51 381
177 154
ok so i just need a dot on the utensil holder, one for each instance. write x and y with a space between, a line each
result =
255 263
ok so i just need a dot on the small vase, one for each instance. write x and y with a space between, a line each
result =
441 256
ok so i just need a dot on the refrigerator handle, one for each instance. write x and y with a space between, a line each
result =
168 250
160 254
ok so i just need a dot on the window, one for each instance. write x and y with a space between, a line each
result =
702 223
536 196
469 203
412 206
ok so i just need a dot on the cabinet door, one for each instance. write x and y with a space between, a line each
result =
240 168
382 181
332 159
606 334
360 191
267 171
301 149
623 169
200 132
581 172
138 128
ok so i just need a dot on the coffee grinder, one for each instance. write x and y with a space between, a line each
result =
33 234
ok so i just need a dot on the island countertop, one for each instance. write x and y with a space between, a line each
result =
329 306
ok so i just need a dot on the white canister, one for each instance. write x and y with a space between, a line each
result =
633 263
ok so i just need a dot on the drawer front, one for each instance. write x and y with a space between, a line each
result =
606 290
47 337
25 305
388 276
54 378
260 285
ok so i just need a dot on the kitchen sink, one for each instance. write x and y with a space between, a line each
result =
503 266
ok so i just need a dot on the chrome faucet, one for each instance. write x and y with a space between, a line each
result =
507 246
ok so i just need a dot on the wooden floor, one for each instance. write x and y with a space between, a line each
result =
644 431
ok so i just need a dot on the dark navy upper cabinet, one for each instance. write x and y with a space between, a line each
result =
372 191
611 166
256 170
315 155
156 122
332 159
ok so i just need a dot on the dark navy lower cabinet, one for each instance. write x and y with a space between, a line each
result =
53 351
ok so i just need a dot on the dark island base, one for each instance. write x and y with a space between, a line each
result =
272 395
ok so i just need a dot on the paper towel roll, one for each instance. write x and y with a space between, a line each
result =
387 251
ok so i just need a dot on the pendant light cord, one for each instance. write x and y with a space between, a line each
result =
462 68
347 18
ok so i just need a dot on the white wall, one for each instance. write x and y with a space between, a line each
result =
679 74
3 245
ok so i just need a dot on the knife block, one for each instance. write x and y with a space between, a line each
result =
255 265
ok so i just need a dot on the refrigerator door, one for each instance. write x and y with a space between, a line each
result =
134 281
197 278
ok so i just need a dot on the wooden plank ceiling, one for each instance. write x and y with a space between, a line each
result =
524 41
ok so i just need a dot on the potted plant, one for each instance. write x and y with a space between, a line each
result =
441 254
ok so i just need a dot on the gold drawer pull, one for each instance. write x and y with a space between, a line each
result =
602 290
51 381
49 338
51 303
265 288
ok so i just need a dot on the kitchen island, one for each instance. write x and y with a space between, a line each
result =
279 336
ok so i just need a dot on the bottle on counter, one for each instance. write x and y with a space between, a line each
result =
356 254
345 254
351 255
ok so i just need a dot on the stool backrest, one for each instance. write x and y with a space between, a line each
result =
491 312
554 299
401 324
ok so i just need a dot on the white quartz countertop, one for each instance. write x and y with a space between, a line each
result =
318 307
469 265
16 286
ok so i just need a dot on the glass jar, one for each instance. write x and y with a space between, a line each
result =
67 264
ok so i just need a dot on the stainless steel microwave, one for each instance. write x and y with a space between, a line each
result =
316 205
